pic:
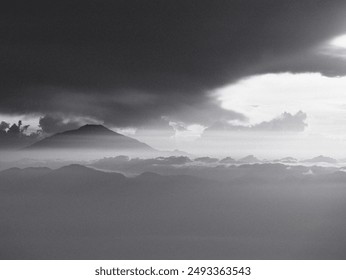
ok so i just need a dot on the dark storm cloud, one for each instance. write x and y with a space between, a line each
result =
130 62
53 124
285 122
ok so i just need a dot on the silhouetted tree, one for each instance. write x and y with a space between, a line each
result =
14 136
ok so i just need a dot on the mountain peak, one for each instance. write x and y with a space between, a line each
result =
93 129
91 137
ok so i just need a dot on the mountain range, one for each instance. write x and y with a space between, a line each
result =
76 212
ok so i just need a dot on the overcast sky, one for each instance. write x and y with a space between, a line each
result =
178 70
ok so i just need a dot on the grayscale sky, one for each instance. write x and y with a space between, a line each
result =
206 76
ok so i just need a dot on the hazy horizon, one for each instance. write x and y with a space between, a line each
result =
216 144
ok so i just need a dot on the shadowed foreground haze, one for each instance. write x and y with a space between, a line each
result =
75 212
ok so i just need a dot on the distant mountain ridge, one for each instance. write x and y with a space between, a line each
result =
249 159
321 159
90 136
63 213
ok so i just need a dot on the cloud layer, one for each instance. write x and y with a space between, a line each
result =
127 63
285 122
